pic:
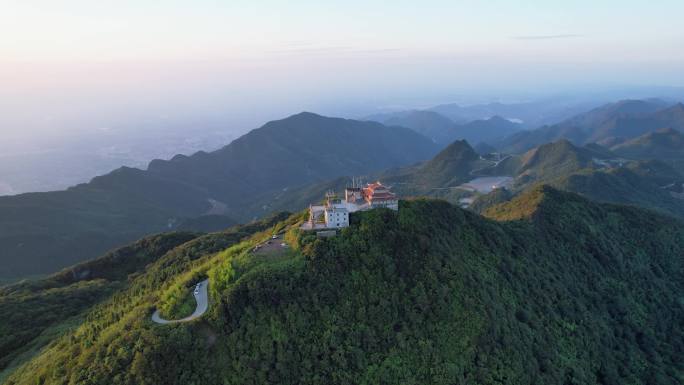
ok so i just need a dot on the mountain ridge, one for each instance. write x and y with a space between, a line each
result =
662 144
624 119
429 294
444 131
43 232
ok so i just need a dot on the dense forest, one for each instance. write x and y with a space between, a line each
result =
36 312
548 288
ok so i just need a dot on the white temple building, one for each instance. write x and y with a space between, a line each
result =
334 214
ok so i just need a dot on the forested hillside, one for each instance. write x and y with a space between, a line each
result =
37 312
43 232
436 177
595 173
553 289
592 171
666 144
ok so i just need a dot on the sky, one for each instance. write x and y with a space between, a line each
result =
72 65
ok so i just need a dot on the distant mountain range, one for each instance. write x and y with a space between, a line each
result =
606 125
592 171
287 164
436 127
436 177
529 114
42 232
443 131
599 175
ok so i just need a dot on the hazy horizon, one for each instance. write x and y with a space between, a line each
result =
73 64
206 69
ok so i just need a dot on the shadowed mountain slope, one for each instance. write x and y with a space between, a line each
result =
43 232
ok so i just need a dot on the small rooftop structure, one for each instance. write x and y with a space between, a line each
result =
378 195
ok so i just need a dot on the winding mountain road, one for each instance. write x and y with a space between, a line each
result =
202 299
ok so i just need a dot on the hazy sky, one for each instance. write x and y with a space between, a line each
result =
78 64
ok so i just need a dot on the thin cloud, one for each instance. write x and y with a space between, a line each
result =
330 50
378 50
309 47
547 37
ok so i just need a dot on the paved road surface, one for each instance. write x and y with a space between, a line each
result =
270 246
202 299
